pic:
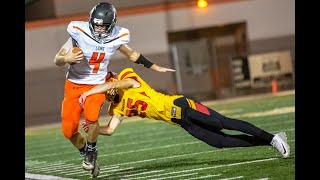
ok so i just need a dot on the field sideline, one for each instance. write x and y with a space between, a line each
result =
148 149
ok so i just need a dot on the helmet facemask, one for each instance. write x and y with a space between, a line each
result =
98 35
111 94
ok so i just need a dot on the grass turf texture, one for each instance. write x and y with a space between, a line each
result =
149 149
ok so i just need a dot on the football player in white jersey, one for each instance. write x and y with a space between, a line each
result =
98 39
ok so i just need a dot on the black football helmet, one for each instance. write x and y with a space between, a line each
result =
103 14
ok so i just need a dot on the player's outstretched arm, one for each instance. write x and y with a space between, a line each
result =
106 130
138 58
121 84
109 129
101 88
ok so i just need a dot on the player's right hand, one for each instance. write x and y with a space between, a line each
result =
73 58
82 100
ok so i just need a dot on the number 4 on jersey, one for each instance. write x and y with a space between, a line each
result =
95 60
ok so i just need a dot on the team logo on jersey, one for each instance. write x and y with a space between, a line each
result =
173 112
99 48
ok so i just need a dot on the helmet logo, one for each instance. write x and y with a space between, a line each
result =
97 21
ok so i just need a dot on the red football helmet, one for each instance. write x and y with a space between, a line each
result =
112 93
111 76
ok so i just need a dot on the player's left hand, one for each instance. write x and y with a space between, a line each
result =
82 100
85 126
161 69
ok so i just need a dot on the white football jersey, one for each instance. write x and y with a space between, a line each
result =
93 68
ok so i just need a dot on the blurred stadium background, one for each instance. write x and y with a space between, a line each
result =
237 56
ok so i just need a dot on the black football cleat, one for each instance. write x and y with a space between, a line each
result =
90 159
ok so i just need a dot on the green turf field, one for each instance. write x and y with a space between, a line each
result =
148 149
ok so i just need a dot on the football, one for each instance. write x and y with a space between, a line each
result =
76 49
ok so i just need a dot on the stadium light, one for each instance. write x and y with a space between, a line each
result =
202 3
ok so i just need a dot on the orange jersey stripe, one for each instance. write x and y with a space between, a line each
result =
76 27
125 34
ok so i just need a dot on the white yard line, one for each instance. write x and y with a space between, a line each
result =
143 173
44 177
113 174
164 174
238 177
171 177
204 177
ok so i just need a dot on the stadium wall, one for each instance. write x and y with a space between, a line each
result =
270 25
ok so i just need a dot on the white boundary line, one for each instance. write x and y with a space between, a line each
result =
29 176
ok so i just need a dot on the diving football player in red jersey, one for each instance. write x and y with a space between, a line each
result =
132 96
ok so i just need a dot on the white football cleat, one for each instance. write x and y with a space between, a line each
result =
283 136
279 141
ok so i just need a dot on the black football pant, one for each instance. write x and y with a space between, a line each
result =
208 127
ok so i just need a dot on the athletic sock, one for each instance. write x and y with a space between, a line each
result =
83 151
91 146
